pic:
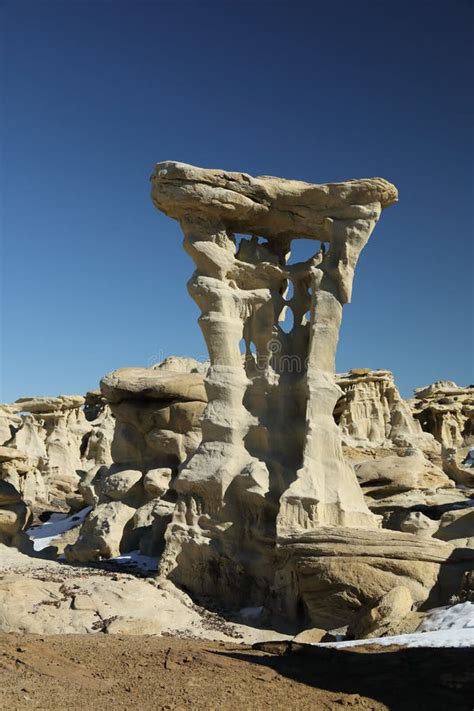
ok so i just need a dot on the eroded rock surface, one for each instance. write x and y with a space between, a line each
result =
53 443
157 427
446 411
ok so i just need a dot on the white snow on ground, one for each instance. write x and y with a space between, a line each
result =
137 561
451 626
42 535
440 638
459 616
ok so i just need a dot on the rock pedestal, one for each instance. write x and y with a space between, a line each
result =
157 414
270 465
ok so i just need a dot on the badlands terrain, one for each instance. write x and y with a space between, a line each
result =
256 528
100 626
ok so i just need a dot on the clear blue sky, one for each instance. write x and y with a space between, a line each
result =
94 278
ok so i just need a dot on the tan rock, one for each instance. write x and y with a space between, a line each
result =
384 616
336 572
7 454
156 481
457 527
118 484
149 384
372 412
314 635
446 411
417 523
395 474
269 441
45 405
101 532
180 364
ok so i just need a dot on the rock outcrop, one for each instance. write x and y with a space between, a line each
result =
157 415
53 444
371 412
399 465
446 411
270 468
260 477
15 515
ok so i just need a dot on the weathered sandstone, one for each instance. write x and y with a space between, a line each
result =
157 427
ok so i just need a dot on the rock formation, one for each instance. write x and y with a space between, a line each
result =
268 487
15 515
371 412
261 477
52 445
157 414
446 411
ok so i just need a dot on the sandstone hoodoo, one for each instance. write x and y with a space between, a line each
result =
268 509
157 415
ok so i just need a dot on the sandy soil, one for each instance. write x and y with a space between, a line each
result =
109 671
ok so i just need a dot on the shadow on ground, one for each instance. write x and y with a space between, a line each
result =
421 679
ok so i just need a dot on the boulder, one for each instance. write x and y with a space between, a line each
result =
150 384
417 523
384 617
101 533
157 481
118 484
395 474
457 527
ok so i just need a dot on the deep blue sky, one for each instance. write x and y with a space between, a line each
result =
94 278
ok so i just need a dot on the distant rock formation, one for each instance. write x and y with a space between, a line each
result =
446 411
371 412
56 444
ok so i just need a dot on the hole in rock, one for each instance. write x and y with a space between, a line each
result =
243 345
290 291
306 317
303 249
288 321
239 238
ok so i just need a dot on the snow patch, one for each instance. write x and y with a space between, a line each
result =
459 616
451 626
136 560
44 534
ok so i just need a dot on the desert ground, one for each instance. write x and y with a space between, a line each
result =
103 671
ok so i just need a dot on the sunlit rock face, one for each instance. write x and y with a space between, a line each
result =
157 415
372 412
446 411
57 439
270 463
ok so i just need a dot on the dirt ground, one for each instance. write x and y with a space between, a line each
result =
124 672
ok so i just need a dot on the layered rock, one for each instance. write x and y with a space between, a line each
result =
371 412
157 415
55 446
446 411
